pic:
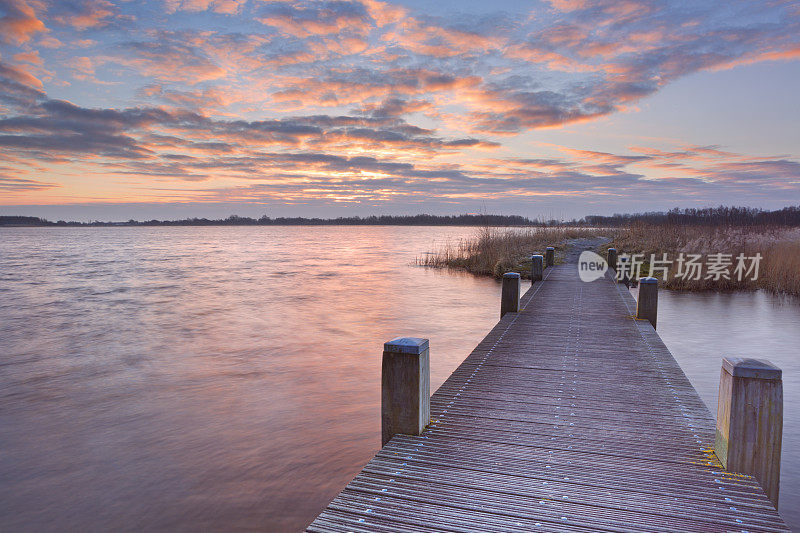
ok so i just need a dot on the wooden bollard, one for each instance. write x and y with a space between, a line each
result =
537 268
750 421
612 259
647 307
550 256
405 387
509 299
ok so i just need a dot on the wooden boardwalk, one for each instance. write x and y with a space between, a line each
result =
568 416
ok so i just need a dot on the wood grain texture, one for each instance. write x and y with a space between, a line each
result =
509 295
647 306
537 268
569 416
405 391
750 427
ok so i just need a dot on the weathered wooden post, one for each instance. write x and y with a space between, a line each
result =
750 421
612 259
647 307
549 255
537 267
509 299
405 387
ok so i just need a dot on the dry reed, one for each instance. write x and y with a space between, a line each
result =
779 268
495 251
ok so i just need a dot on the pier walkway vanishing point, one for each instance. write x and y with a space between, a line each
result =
569 416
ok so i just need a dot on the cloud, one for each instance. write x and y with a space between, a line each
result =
317 18
84 14
202 100
18 87
11 184
368 100
620 52
350 86
370 157
429 38
228 7
395 107
29 57
168 137
19 21
188 56
575 62
169 61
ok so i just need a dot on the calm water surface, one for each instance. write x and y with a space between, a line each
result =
228 378
207 378
701 329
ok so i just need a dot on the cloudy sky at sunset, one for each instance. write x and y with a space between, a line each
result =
175 108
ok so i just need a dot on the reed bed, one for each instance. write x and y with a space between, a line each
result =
779 247
495 251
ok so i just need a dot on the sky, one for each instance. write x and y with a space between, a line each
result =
554 109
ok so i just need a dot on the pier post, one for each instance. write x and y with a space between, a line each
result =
537 267
750 421
509 300
647 306
405 387
612 259
549 255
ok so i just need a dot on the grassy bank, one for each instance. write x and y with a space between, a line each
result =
495 251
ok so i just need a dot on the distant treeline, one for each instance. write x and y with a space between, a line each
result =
234 220
709 216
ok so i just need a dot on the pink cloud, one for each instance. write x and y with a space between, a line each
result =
29 57
384 13
317 20
20 74
168 61
19 21
437 41
91 14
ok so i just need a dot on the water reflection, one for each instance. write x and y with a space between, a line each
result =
221 378
228 378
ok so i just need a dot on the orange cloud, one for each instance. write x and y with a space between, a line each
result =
29 57
19 21
325 19
168 61
92 14
20 74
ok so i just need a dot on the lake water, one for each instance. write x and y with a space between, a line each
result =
701 329
227 378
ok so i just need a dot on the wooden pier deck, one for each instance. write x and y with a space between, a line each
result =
569 416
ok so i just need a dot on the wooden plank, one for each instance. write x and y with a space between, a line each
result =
568 416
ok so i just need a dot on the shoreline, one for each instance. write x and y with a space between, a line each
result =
685 259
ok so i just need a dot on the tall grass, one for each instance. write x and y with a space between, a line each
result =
779 269
495 251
